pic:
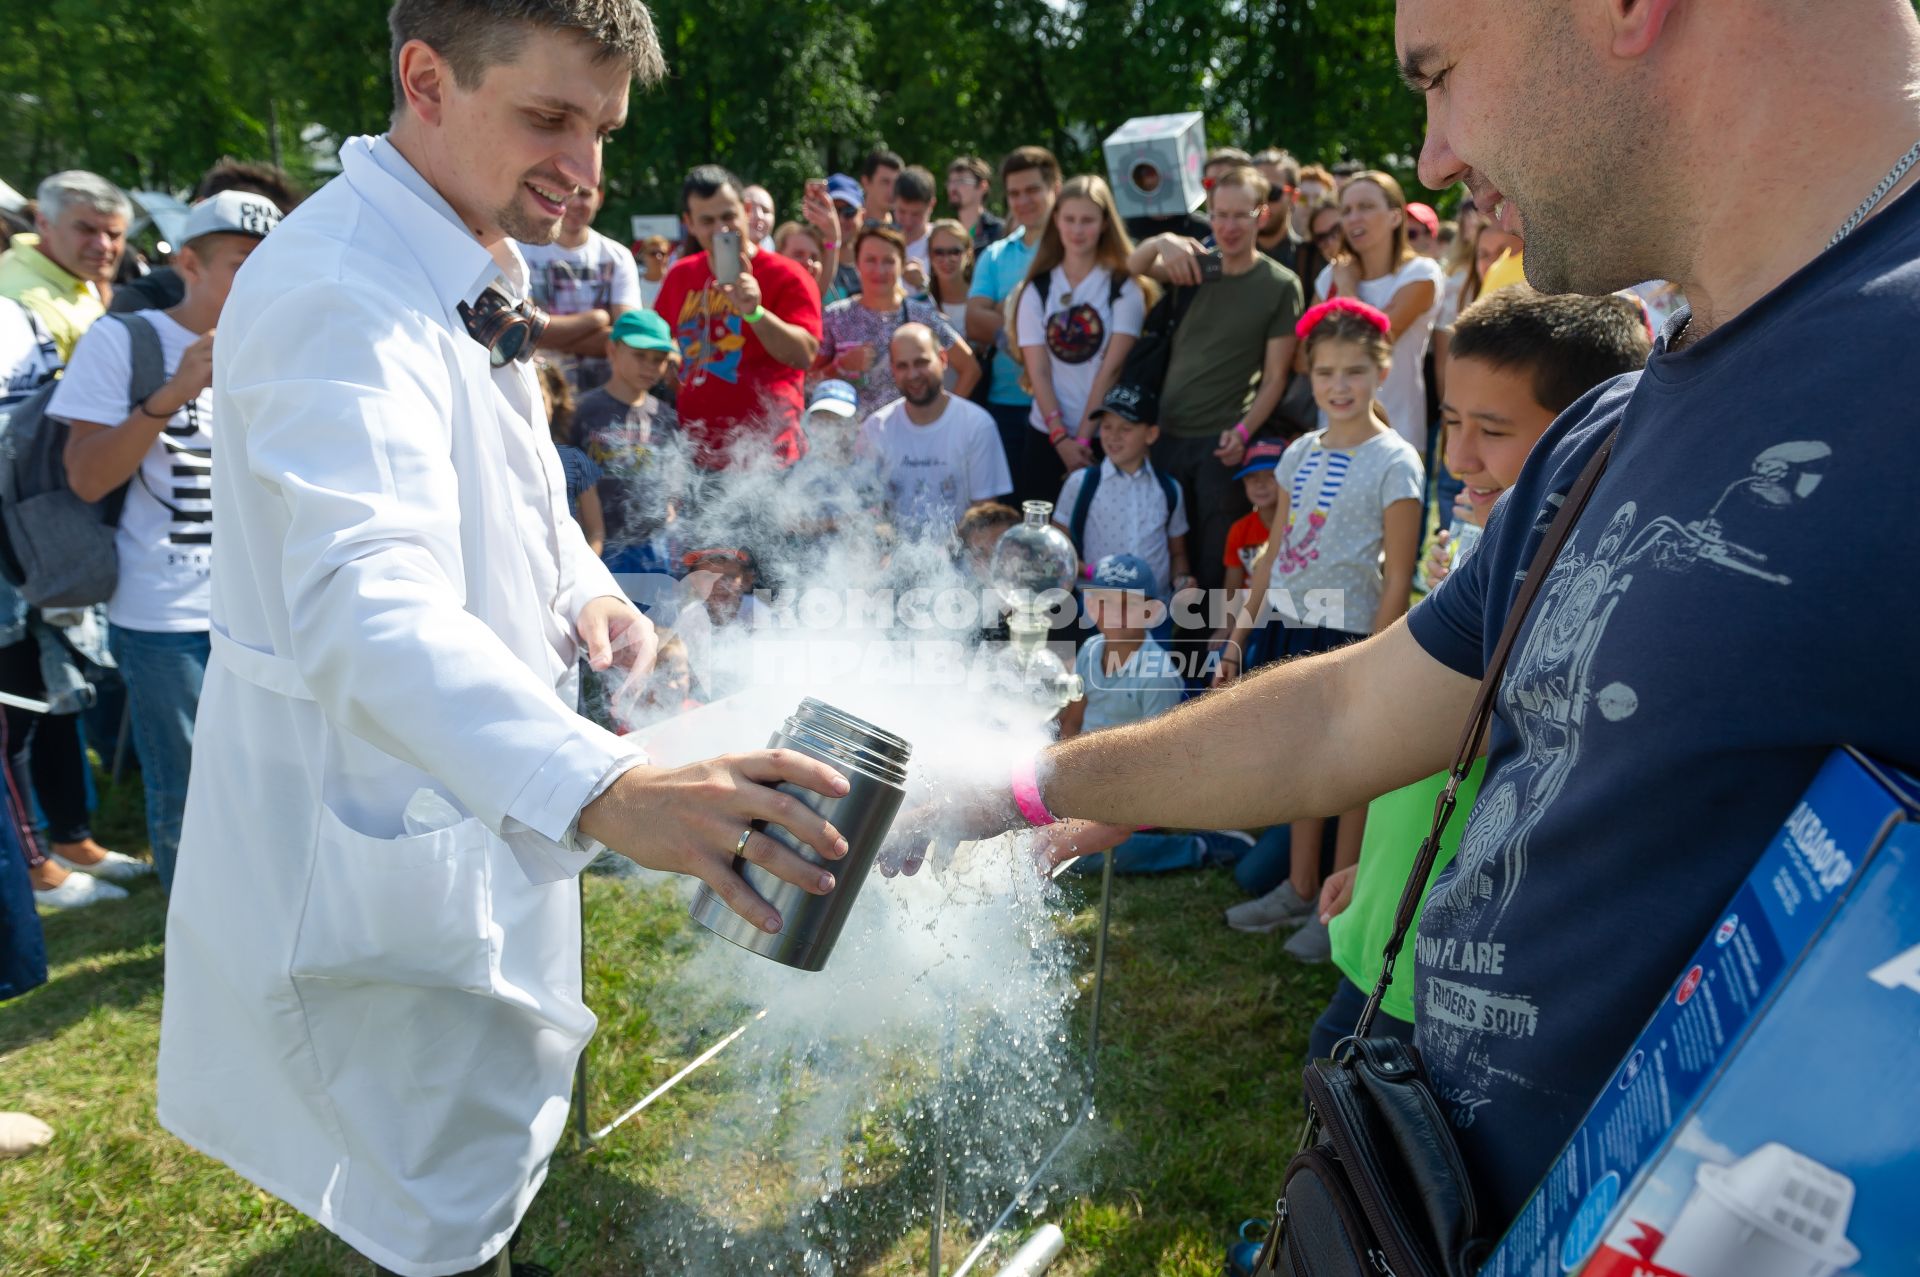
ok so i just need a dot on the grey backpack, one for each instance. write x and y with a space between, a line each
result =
56 549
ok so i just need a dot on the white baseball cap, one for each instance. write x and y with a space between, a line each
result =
231 213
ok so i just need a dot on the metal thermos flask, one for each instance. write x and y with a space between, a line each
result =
875 765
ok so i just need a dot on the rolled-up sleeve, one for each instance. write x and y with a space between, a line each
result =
348 420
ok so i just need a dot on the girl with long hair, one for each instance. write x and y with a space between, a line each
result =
1381 269
1347 528
1073 320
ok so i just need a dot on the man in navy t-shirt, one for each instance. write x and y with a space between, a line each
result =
1733 603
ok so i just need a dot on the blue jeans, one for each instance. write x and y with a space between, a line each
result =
163 673
1342 1013
1150 854
1268 864
23 949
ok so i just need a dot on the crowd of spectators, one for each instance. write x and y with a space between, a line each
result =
1282 398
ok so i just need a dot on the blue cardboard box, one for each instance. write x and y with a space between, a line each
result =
1767 1122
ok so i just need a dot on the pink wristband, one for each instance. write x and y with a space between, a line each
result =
1026 792
1240 428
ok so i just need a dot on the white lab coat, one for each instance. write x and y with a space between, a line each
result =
381 1029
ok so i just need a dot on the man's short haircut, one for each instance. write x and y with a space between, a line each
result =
62 191
1227 155
707 181
973 165
268 181
1247 178
1282 160
473 35
878 158
914 185
884 233
1024 159
1567 344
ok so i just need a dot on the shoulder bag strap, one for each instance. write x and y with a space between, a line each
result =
1475 733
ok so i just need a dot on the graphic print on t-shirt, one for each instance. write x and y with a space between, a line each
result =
189 505
1547 696
1297 554
712 336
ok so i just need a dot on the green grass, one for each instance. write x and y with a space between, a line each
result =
1204 1032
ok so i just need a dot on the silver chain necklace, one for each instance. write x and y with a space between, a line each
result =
1887 183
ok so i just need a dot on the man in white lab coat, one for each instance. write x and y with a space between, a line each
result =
373 992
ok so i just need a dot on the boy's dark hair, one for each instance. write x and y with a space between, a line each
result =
1569 344
473 35
982 515
268 181
914 185
707 181
878 158
1024 159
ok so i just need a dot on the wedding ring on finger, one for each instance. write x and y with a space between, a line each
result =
740 847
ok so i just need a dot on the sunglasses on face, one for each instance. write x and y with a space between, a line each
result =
1323 236
846 214
948 252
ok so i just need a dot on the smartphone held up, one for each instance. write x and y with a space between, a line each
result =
725 258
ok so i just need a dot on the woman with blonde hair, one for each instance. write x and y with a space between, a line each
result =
1074 319
1381 269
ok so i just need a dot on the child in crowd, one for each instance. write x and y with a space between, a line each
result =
1124 505
622 425
1518 360
1127 677
1248 536
660 693
583 498
1339 564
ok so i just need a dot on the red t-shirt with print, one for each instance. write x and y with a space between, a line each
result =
1245 539
728 381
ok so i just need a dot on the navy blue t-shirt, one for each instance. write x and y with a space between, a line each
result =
1741 595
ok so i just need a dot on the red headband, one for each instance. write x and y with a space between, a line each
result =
1346 305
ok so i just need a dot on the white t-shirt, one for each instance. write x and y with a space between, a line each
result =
26 356
917 251
1077 325
1328 570
165 540
1127 515
934 472
566 281
1404 395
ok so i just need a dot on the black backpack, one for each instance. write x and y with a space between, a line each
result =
56 549
1147 362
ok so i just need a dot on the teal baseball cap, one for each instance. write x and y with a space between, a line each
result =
643 330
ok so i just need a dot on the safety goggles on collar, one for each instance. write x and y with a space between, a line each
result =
508 330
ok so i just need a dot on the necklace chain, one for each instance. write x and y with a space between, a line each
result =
1887 183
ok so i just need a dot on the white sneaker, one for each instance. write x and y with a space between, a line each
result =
1281 907
21 1133
1312 944
116 867
77 892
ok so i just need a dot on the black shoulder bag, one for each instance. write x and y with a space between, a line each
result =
1378 1188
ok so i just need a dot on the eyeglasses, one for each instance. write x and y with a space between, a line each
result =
1241 218
658 252
1323 236
948 252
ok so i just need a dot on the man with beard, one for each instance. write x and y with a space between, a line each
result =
373 1003
937 454
1753 515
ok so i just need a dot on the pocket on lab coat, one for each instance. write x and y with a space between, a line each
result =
413 910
